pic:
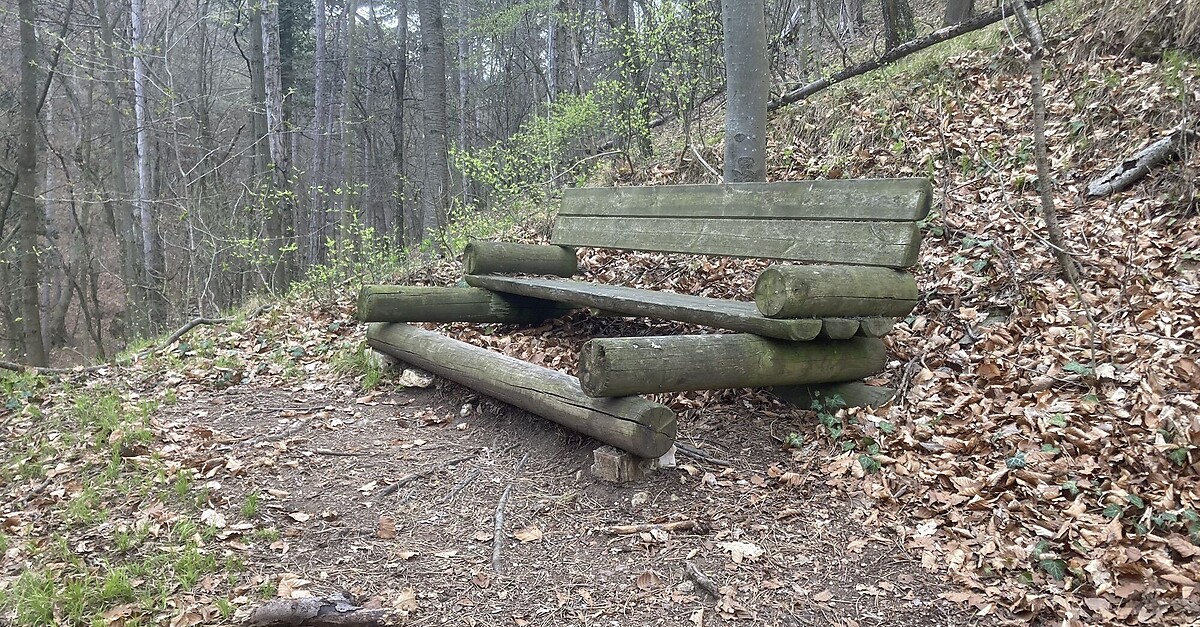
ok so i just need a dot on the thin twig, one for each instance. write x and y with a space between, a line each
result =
407 479
498 532
695 453
461 485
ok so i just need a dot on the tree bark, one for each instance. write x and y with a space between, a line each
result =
433 77
748 89
25 193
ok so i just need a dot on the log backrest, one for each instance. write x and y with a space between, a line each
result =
871 222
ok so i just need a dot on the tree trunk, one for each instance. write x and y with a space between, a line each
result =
958 11
152 257
317 178
279 159
897 22
122 212
1054 233
345 235
433 77
747 76
402 219
26 190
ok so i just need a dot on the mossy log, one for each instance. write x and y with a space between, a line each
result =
834 291
634 424
643 365
505 257
398 303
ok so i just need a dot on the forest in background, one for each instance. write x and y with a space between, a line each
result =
187 154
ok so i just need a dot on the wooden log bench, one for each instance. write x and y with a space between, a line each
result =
814 320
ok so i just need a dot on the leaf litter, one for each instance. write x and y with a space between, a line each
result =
1042 454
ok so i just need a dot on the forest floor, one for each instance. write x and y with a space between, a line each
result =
1038 467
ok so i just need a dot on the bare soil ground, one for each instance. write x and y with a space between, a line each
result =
780 548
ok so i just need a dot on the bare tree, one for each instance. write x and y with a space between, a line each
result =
897 22
25 193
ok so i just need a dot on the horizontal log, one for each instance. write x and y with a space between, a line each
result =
677 363
787 291
711 312
634 424
889 244
506 257
902 200
851 393
397 303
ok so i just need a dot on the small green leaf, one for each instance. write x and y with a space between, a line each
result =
1072 487
1082 370
1016 461
1135 501
1112 510
1057 569
868 463
887 427
1178 456
1058 420
1050 448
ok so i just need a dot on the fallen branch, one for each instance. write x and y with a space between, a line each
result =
1139 165
336 610
171 339
701 580
678 525
498 532
899 52
407 479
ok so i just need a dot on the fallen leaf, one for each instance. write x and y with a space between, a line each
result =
387 527
649 580
299 516
529 534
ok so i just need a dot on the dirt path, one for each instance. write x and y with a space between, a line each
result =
779 546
